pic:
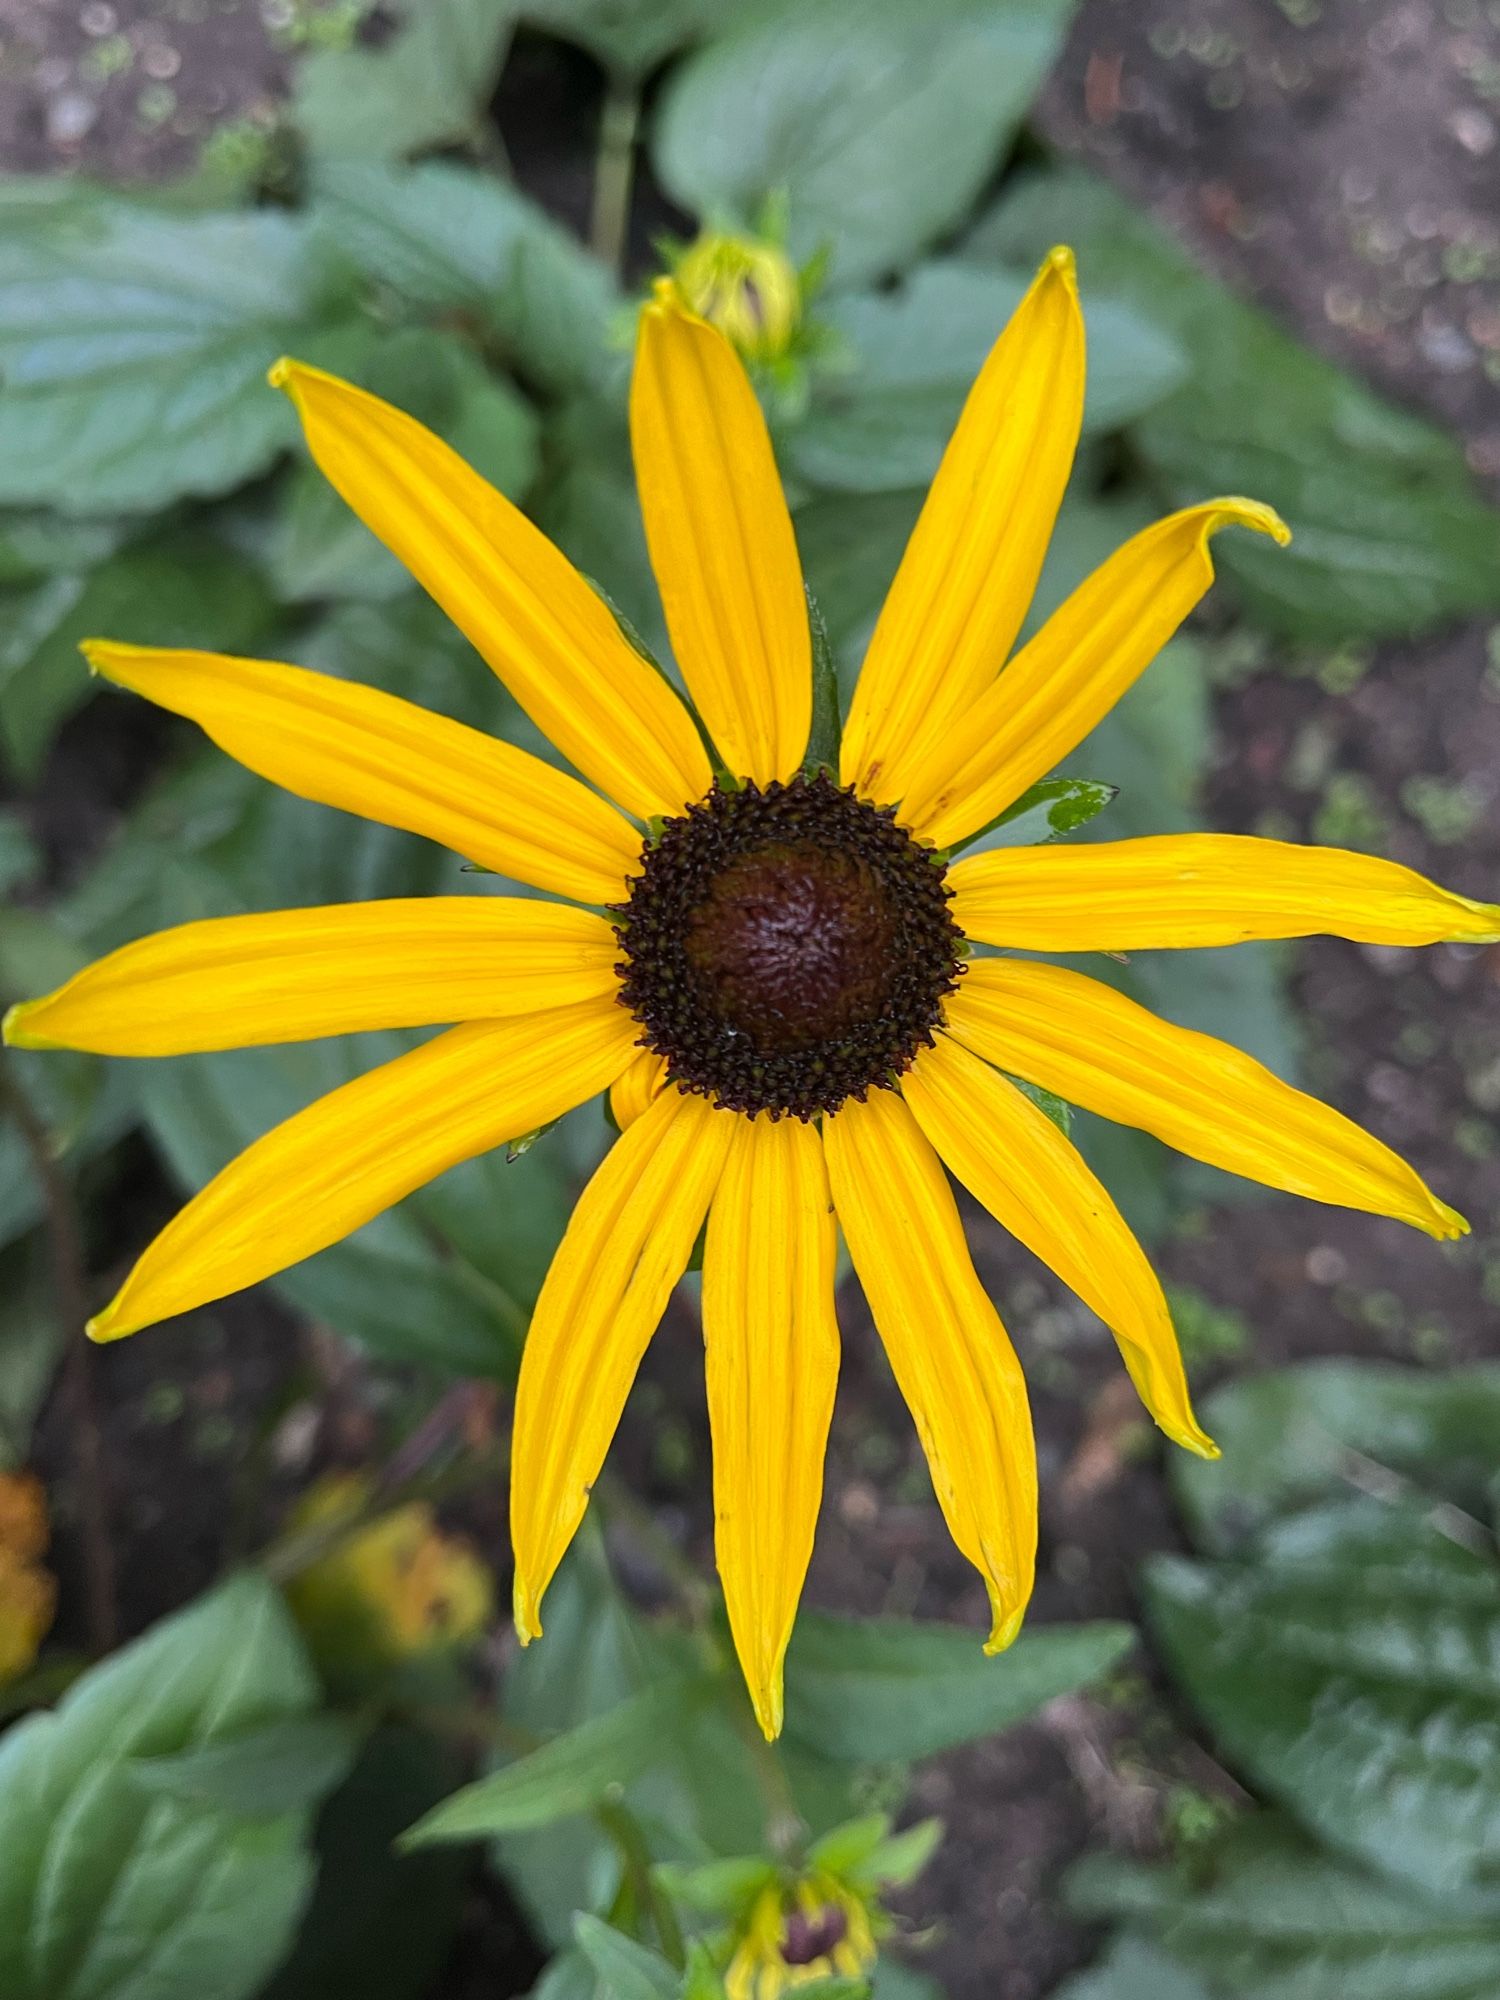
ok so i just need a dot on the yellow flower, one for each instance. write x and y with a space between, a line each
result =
28 1594
395 1590
817 1929
779 992
747 287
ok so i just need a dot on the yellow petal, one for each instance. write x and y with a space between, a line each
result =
233 982
948 1351
1096 1048
549 636
1071 674
721 541
1012 1158
386 759
355 1152
628 1243
1202 889
970 568
637 1088
772 1347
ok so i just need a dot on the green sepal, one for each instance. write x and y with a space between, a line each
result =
1046 811
1056 1108
517 1148
825 734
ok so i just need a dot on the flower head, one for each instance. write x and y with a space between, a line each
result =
787 978
28 1592
747 287
812 1928
785 1925
393 1589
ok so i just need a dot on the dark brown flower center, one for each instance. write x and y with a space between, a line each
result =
787 949
806 1938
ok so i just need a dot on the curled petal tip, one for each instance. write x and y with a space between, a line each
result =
1200 1444
1252 514
16 1035
524 1613
1060 259
1484 925
1006 1627
1446 1224
280 372
107 1325
96 652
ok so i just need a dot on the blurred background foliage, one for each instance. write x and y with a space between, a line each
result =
282 1789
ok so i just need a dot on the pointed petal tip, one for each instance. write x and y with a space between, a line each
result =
1199 1443
766 1699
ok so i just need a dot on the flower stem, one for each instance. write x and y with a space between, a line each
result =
614 172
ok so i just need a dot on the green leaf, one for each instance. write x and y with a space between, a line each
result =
34 545
1045 811
589 507
879 132
1132 1970
1334 1428
31 1340
882 1690
568 1975
629 38
1269 1916
883 426
134 345
180 589
20 857
84 1103
1353 1673
902 1857
626 1970
428 85
894 1980
836 1987
278 1768
381 1924
1390 534
441 238
569 1775
851 547
705 1799
717 1888
107 1888
390 1286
